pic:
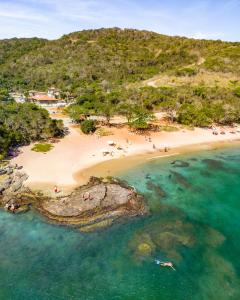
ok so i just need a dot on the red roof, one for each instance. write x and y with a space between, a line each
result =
44 98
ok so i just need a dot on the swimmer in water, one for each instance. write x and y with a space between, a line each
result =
165 264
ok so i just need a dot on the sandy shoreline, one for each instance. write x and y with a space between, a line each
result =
115 166
77 156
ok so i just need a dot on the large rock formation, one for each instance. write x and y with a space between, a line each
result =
88 207
96 204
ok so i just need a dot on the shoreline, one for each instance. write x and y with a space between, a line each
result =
113 167
76 157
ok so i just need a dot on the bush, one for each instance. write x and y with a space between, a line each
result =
237 92
186 72
44 147
88 126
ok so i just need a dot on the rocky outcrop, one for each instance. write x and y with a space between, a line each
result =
11 182
95 205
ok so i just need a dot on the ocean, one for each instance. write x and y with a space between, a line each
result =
193 221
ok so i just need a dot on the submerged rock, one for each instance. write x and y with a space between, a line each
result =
157 189
180 164
214 164
180 179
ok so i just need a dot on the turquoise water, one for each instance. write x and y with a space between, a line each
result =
194 221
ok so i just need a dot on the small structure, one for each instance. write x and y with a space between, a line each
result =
18 97
53 92
47 99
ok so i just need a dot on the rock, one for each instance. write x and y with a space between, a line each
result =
22 209
97 226
180 164
3 171
144 249
9 171
94 203
2 189
16 186
6 183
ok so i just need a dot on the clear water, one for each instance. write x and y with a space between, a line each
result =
194 221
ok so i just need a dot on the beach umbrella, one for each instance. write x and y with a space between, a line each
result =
111 143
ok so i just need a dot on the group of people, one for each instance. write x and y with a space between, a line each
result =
87 196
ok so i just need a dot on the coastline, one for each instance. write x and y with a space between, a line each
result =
76 157
114 167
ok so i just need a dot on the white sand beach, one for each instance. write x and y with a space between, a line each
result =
77 152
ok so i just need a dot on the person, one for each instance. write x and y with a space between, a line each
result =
55 189
154 147
165 264
87 196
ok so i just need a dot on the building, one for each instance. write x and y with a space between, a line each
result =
53 92
47 99
18 97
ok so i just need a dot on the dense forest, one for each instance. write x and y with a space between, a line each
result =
197 82
22 123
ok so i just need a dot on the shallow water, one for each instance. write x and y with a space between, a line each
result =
194 221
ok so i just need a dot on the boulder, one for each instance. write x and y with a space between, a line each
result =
3 171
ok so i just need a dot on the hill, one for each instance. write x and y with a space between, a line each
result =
196 82
110 58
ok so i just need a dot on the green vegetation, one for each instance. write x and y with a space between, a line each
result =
237 92
186 72
169 128
21 124
105 70
103 132
107 58
42 147
140 119
88 126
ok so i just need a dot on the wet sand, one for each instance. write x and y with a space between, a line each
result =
114 167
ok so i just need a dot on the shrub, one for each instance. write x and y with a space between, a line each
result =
237 91
42 147
186 72
88 126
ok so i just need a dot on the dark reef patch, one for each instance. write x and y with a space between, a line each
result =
180 164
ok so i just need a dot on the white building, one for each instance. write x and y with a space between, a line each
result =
18 97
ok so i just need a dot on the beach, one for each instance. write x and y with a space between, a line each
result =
193 223
76 157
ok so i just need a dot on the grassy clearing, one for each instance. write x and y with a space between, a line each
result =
169 128
103 132
42 147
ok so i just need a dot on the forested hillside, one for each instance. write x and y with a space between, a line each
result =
109 58
196 81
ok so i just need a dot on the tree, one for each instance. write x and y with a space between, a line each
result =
127 110
88 126
170 106
141 118
22 123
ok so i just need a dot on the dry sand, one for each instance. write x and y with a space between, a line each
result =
78 156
